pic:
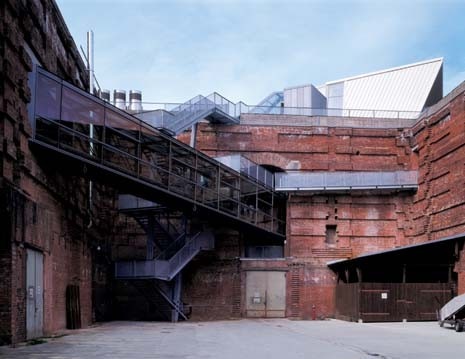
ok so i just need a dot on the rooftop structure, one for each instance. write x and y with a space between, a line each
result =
397 93
400 92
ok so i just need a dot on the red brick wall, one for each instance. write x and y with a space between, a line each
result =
440 202
212 281
212 288
309 148
366 221
50 210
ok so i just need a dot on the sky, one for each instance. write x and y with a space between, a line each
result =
173 50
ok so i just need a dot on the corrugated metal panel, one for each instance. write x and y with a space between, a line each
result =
298 96
318 181
401 89
307 96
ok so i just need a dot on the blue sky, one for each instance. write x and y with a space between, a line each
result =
174 50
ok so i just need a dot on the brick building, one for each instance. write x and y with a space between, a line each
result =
151 195
45 214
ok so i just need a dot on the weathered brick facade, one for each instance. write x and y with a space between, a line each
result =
46 210
42 208
366 221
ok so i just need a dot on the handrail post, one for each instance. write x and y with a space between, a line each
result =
218 182
169 164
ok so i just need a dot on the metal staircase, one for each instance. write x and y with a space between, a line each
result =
163 297
214 108
161 225
272 104
170 262
166 236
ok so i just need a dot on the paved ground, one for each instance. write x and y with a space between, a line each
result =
255 339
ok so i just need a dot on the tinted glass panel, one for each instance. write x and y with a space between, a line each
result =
48 98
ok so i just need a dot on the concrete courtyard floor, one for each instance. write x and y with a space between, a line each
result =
255 339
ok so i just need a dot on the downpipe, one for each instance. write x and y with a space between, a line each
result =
90 69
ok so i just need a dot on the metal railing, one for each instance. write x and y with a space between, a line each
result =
240 108
176 118
318 181
124 145
166 267
243 165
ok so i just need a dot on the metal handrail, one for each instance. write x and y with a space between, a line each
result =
173 248
241 108
165 269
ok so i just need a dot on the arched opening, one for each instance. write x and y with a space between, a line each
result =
273 168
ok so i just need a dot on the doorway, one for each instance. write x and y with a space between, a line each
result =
34 294
266 294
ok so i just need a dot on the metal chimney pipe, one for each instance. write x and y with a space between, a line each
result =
119 99
105 95
90 59
135 101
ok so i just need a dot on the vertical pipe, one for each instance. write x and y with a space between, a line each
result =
150 238
90 69
193 140
90 59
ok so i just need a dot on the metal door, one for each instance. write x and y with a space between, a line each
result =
266 294
34 294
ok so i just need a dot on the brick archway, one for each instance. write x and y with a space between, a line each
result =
269 159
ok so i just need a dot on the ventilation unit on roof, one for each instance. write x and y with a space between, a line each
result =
105 95
135 101
119 99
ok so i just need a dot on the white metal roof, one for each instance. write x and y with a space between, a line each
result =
403 67
404 88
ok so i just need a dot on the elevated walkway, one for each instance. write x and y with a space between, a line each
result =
77 133
85 136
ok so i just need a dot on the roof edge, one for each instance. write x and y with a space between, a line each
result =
391 250
438 59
